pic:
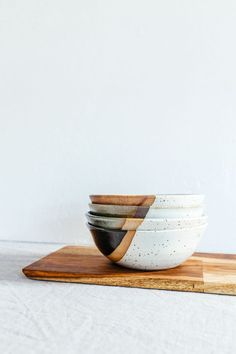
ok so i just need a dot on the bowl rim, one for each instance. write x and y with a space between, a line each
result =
115 218
90 226
141 206
147 195
151 200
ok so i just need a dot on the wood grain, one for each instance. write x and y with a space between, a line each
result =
140 200
203 272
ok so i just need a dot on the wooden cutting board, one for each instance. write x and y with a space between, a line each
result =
203 272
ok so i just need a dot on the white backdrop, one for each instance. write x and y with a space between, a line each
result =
115 97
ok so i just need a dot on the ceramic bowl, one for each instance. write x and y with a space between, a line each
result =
147 250
156 201
144 224
131 211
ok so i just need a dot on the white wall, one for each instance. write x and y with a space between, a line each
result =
115 97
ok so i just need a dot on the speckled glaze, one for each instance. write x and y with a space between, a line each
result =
132 211
152 201
147 250
117 223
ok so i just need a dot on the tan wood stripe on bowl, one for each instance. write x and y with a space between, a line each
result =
139 200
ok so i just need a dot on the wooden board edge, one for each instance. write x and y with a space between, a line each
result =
193 289
221 289
140 282
154 277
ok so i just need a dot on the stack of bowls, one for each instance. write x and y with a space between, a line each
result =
147 232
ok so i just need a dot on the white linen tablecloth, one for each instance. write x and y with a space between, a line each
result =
48 317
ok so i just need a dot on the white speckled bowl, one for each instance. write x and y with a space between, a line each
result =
116 223
133 211
147 250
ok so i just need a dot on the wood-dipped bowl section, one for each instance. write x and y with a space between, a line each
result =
147 250
144 224
156 201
